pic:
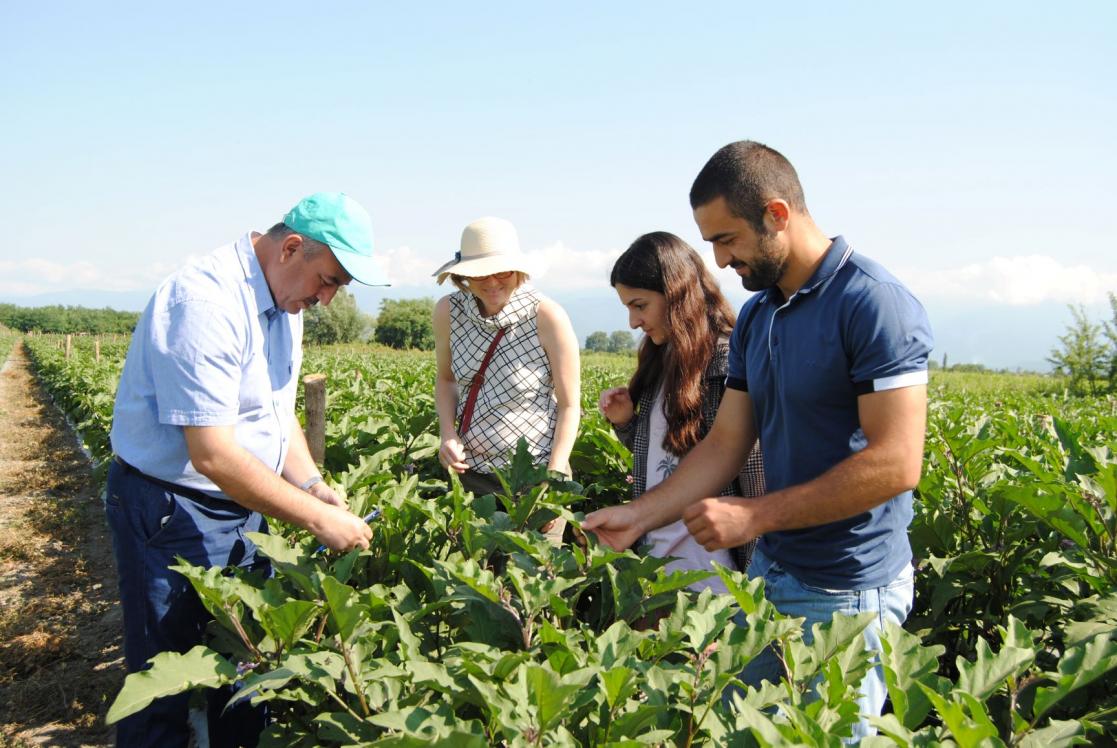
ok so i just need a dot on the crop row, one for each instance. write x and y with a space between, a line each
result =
462 626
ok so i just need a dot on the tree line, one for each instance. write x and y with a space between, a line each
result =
67 319
620 341
1086 354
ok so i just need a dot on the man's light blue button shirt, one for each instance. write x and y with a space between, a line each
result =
211 349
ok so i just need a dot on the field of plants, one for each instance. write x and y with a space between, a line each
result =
462 626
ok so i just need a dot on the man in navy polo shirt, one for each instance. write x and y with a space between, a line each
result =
828 366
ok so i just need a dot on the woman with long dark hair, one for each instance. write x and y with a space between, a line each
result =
672 398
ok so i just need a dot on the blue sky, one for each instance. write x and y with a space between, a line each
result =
968 147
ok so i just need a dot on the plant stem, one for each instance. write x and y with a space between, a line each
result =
353 676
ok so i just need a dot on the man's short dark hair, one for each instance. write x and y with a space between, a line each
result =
748 174
311 247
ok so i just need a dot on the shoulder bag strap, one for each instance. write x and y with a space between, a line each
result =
475 385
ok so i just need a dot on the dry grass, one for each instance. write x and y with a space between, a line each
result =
60 657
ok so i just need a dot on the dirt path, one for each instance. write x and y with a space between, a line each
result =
60 657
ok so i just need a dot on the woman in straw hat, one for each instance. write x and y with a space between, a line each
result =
523 345
671 400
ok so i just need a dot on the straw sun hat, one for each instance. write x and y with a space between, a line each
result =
489 245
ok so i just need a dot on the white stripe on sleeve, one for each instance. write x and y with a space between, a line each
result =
910 379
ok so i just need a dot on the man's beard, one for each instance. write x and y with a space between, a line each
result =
767 269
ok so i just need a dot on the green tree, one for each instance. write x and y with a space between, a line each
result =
1082 356
621 341
340 322
406 323
67 319
1111 336
598 342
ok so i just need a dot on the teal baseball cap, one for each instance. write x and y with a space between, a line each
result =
339 222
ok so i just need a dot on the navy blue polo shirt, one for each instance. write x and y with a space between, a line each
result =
852 329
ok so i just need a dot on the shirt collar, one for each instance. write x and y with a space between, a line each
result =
254 274
837 254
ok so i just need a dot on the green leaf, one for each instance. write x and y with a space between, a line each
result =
618 683
341 599
906 664
989 671
322 669
1079 666
550 693
1057 734
966 719
171 673
410 646
617 644
277 548
287 622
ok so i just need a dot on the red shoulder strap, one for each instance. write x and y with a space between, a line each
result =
475 385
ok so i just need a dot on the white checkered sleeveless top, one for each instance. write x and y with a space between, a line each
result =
517 398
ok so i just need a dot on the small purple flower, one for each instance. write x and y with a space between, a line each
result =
629 479
409 468
246 667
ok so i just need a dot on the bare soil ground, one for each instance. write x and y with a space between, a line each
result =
61 662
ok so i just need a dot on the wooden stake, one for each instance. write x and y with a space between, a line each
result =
69 344
315 393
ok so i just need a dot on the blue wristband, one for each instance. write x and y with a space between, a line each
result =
306 484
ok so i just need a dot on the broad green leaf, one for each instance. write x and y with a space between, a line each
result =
410 646
1079 666
321 669
1057 734
343 728
277 548
550 693
989 671
906 663
618 684
617 643
749 593
341 599
965 718
287 622
171 673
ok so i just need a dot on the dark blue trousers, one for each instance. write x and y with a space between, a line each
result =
151 525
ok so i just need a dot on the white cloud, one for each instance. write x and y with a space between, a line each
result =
406 267
1023 280
35 276
556 267
560 268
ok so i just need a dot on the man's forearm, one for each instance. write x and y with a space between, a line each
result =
857 484
247 481
299 465
705 471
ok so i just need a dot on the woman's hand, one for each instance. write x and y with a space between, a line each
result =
452 454
616 405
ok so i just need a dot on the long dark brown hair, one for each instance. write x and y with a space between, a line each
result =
697 316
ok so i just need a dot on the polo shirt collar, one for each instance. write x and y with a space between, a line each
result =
254 274
837 254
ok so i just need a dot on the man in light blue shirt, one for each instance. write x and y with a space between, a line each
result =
206 440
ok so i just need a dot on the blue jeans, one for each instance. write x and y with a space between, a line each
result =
150 526
791 597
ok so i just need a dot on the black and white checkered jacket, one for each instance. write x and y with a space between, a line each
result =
634 435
